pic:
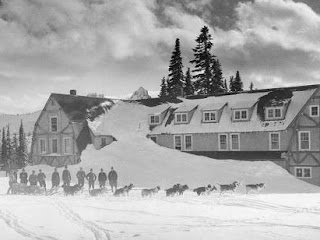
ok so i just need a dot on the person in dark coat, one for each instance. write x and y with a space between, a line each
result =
102 178
113 178
23 176
91 177
42 179
66 177
55 178
81 175
33 179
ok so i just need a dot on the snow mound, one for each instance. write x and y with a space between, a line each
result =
140 161
141 93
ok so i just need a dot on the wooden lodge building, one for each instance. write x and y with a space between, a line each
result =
61 132
280 125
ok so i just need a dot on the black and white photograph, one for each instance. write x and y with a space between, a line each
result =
159 119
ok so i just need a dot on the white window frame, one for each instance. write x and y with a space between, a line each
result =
185 142
180 114
227 144
274 113
302 169
309 138
310 110
64 145
209 112
230 139
240 111
270 142
51 124
174 142
154 117
51 146
45 146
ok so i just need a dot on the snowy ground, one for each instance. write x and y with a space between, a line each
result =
230 216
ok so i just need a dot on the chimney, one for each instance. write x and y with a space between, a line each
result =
73 92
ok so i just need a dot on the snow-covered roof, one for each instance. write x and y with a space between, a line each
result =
298 100
213 106
186 107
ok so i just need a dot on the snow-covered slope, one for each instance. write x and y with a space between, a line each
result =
146 164
15 120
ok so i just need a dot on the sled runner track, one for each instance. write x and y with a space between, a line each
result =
14 224
98 232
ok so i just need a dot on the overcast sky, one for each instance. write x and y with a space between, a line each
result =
114 47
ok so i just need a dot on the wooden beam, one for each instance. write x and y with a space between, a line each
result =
310 118
314 158
304 158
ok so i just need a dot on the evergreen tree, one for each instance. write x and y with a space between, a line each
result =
3 148
217 84
9 150
188 88
231 85
237 84
203 60
14 151
251 86
163 90
175 81
22 149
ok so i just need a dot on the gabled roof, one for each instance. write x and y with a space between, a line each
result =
76 107
300 96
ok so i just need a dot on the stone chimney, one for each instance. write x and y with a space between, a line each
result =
73 92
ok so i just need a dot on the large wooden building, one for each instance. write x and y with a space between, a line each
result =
281 125
61 132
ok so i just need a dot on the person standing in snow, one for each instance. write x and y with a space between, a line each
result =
66 177
81 175
55 178
91 177
113 178
102 178
33 179
42 179
23 176
12 180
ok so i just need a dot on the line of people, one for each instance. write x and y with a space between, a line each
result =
40 178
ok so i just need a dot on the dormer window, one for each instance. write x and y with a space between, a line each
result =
181 118
154 119
240 115
274 113
314 111
54 124
209 116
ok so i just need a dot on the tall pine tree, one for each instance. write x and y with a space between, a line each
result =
9 150
217 84
251 86
3 148
163 90
22 149
14 151
203 61
236 85
188 88
175 81
225 85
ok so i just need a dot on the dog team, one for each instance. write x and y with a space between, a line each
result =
40 178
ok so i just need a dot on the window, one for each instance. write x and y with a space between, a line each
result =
235 141
274 113
154 138
314 111
304 140
223 143
188 142
240 115
303 172
54 124
67 145
178 142
181 117
209 116
274 141
54 145
154 119
43 146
